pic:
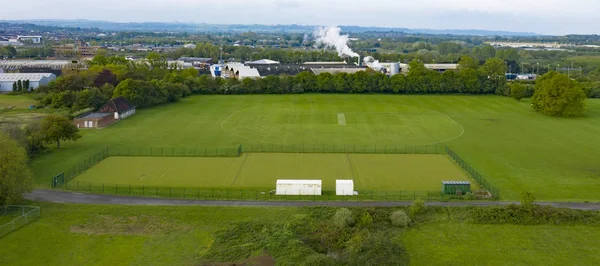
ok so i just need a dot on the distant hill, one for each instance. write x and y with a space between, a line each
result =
204 27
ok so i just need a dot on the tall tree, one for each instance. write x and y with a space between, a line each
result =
558 95
56 128
15 178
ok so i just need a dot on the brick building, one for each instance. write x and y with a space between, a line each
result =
113 111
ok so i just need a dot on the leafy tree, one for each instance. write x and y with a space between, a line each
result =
308 80
19 85
558 95
517 91
15 178
26 85
467 62
470 80
56 128
417 207
15 88
324 82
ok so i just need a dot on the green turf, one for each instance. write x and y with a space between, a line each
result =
261 171
468 244
514 147
16 101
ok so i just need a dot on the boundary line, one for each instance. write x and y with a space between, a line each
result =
240 169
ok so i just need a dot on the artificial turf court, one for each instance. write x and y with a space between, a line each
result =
420 172
514 147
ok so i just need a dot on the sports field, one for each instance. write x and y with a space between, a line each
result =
261 171
514 147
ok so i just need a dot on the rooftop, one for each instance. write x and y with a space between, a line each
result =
24 76
263 62
94 115
298 181
318 71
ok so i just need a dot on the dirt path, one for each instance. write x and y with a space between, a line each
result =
58 196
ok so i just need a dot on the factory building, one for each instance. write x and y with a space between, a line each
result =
8 80
32 39
39 66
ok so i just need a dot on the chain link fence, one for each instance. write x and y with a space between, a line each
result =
62 179
252 194
13 217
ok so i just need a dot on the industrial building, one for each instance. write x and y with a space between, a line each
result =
33 39
7 80
39 66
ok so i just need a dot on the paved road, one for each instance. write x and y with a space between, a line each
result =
58 196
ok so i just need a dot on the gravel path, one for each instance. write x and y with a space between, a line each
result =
58 196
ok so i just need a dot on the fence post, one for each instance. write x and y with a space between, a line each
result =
198 191
143 190
427 195
170 192
414 194
77 185
130 189
184 193
116 189
102 188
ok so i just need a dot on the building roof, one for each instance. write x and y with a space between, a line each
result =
326 63
196 59
94 115
318 71
18 64
14 77
118 104
298 182
347 182
456 182
263 62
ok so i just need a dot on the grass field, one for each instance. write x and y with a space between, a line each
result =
166 235
468 244
16 101
261 171
514 147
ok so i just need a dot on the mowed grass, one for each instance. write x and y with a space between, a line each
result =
470 244
16 101
261 171
514 147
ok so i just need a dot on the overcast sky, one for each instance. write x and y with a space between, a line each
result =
540 16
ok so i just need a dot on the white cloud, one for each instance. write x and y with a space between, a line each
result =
542 16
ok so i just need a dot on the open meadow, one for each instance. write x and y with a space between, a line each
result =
505 140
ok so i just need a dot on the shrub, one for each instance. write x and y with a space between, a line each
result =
365 220
399 219
417 207
517 91
527 200
318 260
343 218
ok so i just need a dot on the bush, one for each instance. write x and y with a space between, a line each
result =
417 208
517 91
343 218
318 260
399 219
365 220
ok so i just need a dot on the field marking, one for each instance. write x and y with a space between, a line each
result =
341 119
166 170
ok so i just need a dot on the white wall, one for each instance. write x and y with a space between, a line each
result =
127 114
344 187
6 86
298 189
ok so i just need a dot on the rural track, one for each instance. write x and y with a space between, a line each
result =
57 196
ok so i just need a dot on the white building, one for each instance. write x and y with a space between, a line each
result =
298 187
344 187
33 39
35 80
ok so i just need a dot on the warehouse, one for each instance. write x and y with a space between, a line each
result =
298 187
35 80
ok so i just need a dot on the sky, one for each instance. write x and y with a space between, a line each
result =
557 17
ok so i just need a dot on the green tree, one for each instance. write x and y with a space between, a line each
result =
467 62
15 178
517 91
19 85
15 88
558 95
343 218
56 128
26 85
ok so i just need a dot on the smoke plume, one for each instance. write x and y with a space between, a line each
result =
331 38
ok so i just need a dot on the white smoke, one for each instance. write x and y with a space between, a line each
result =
331 38
372 63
